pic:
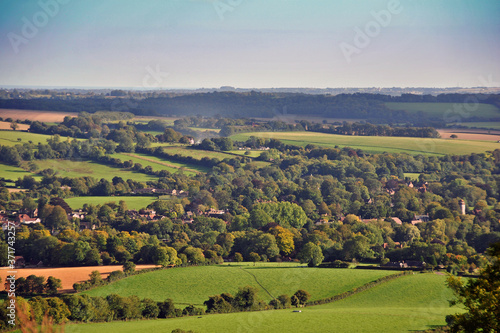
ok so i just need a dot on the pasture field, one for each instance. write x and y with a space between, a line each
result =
68 275
253 153
193 285
196 153
12 172
74 169
159 163
378 144
199 154
132 202
412 175
43 116
10 138
444 110
409 303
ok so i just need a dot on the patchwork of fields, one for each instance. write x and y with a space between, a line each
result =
195 284
379 144
408 303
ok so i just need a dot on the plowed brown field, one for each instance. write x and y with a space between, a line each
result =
44 116
68 275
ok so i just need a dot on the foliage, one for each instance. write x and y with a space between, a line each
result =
481 298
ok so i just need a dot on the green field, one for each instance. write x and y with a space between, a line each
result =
159 163
444 110
13 173
193 285
412 175
132 202
253 153
196 153
487 125
73 169
378 144
409 303
10 138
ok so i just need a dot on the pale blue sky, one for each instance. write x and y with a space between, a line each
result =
248 43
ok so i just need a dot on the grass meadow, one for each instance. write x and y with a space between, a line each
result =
442 109
409 303
160 164
73 169
13 173
486 124
132 202
193 285
10 138
378 144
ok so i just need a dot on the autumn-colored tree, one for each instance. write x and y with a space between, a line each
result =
284 239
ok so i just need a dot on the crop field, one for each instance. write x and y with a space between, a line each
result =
6 126
68 275
379 144
159 163
132 202
13 173
444 110
470 134
43 116
409 303
193 285
74 169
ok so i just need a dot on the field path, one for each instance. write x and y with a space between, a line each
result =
260 284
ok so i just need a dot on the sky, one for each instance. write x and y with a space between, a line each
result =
153 44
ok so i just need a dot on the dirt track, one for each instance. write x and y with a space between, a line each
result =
68 275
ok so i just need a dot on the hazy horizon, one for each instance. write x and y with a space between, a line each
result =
194 44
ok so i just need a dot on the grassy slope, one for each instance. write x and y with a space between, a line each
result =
488 125
409 303
132 202
67 168
9 138
378 144
193 285
196 153
439 109
12 172
159 163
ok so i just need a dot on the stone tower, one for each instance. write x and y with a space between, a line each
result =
462 206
